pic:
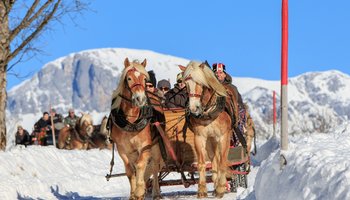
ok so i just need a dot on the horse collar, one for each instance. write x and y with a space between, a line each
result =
219 107
119 119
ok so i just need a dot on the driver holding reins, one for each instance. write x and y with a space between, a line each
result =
220 72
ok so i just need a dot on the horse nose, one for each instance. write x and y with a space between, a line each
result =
139 99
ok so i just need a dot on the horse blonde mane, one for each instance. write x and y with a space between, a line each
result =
203 75
121 85
103 127
85 117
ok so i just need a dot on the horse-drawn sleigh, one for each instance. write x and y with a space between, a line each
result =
196 139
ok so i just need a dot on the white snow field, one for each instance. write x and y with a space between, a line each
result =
318 168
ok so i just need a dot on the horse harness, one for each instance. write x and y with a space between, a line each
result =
83 140
220 106
118 118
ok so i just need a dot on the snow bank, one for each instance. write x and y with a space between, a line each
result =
318 168
49 173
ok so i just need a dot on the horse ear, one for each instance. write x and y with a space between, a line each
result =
202 65
183 68
126 62
144 63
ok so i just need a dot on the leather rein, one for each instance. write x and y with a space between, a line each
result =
216 108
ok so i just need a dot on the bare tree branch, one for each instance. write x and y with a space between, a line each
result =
24 52
19 76
35 33
8 5
28 20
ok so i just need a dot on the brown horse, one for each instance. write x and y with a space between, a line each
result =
131 130
210 124
100 136
77 137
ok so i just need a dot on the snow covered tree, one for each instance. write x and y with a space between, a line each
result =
21 23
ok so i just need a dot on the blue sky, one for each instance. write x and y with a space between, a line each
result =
245 35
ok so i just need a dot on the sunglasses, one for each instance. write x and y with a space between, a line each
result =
164 88
149 86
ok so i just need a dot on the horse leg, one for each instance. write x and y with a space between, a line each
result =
130 173
214 164
132 180
200 150
157 164
141 165
223 149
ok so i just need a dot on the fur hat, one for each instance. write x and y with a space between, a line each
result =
219 67
163 84
152 78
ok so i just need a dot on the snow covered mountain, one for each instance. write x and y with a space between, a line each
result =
85 81
318 101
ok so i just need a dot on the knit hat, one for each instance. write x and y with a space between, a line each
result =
19 127
163 84
219 67
152 78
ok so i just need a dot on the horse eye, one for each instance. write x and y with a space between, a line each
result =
129 79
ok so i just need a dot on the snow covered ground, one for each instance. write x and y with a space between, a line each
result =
318 168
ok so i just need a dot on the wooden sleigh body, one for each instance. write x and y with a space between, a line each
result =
186 163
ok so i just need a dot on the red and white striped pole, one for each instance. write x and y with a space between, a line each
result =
274 113
284 83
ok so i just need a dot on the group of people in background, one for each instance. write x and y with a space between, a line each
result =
175 97
45 124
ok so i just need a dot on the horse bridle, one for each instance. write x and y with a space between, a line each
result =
132 86
196 95
136 83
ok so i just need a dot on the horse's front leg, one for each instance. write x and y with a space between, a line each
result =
200 150
141 165
214 164
130 172
157 164
223 149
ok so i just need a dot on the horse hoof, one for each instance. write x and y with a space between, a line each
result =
139 198
132 198
158 197
219 195
202 195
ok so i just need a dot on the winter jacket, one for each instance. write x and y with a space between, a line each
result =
23 139
42 124
228 84
71 121
176 97
58 121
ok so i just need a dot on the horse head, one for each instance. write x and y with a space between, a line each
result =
132 84
198 77
86 124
